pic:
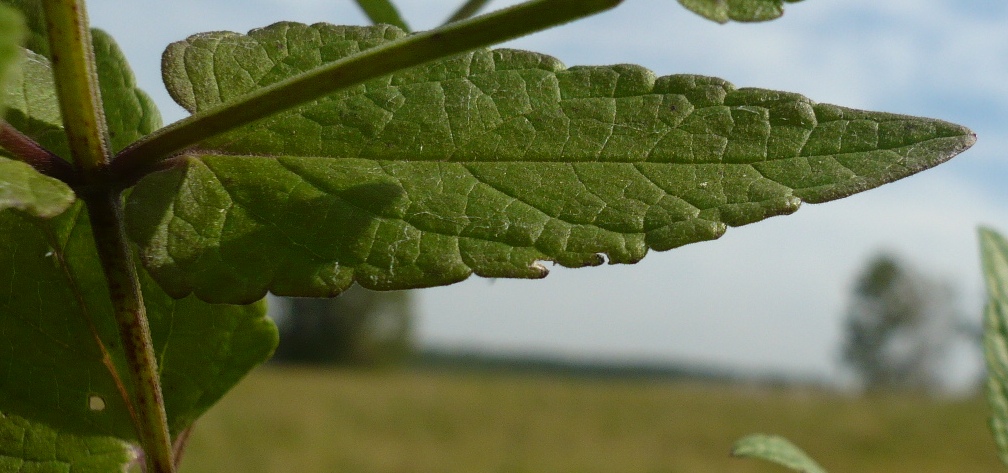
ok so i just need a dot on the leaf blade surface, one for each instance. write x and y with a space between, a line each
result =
723 11
129 112
485 163
56 319
777 450
33 447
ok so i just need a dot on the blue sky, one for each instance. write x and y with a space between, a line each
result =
769 296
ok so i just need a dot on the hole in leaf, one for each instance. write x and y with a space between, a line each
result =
96 403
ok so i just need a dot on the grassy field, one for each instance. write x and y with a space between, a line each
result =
298 420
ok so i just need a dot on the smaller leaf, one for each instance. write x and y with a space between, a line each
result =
23 188
383 11
129 112
29 447
776 450
723 11
467 10
994 254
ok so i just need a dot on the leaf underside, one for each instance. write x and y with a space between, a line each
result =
488 163
994 251
32 447
777 450
723 11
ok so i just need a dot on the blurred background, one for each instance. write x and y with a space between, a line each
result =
815 325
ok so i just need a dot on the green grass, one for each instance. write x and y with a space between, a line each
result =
299 420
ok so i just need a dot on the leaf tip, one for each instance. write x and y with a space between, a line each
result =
775 449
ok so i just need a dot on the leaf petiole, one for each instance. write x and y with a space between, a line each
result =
27 150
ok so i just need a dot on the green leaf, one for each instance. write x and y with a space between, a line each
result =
994 253
35 38
722 11
776 450
383 11
467 10
34 110
25 189
130 113
32 107
489 163
56 320
27 446
11 34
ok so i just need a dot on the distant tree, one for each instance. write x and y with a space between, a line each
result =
900 327
359 328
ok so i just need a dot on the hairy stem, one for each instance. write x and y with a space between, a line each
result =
105 212
467 10
142 157
77 83
76 78
27 150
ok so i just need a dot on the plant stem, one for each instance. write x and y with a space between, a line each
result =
105 212
142 157
27 150
74 69
76 77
